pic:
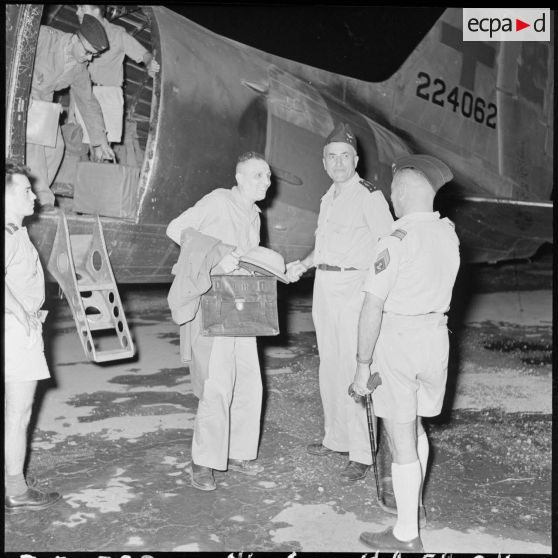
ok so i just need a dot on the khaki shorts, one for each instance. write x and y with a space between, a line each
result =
24 356
412 357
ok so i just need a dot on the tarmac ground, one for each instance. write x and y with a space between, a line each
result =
115 439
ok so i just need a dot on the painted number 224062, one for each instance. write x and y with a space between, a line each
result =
435 91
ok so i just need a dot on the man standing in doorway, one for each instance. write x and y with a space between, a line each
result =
61 62
107 70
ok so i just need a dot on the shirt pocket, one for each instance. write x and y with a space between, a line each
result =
341 237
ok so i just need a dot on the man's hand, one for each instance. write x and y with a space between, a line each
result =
295 270
229 263
153 68
103 152
359 385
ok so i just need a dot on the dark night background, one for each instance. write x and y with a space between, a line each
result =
363 42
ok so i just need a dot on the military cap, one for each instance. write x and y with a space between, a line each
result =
92 30
435 171
341 133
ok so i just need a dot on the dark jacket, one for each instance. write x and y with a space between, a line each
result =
199 254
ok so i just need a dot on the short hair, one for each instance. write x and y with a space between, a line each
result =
248 156
15 168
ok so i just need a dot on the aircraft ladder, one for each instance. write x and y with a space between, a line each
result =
80 264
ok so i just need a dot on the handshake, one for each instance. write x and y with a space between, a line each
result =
295 270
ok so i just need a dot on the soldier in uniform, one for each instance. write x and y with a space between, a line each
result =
403 326
24 362
225 371
353 215
107 72
61 62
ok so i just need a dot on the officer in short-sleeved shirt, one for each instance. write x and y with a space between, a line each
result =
24 359
403 325
353 215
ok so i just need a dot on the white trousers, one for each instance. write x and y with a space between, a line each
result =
228 418
337 301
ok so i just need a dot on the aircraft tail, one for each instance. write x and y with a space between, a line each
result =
486 108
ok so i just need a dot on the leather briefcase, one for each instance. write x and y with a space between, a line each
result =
240 306
107 189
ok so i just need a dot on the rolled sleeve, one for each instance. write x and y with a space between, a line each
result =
132 47
383 272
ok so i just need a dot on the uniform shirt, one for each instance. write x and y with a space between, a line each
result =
107 68
24 273
350 225
55 69
221 214
415 267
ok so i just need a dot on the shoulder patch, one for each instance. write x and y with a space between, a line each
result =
368 185
382 261
11 228
399 233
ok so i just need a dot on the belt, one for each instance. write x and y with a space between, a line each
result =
326 267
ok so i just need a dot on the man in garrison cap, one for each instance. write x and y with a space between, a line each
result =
107 70
403 335
61 61
353 215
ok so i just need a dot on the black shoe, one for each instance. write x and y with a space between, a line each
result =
321 450
386 540
245 466
354 471
31 499
202 477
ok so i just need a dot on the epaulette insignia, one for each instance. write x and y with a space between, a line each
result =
368 185
11 228
382 261
399 233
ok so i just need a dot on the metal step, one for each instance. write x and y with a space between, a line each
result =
94 298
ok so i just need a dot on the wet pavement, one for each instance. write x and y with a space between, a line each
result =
115 440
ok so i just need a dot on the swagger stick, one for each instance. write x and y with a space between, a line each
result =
373 382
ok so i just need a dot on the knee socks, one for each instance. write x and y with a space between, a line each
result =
423 449
15 484
407 480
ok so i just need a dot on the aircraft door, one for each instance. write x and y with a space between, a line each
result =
298 121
